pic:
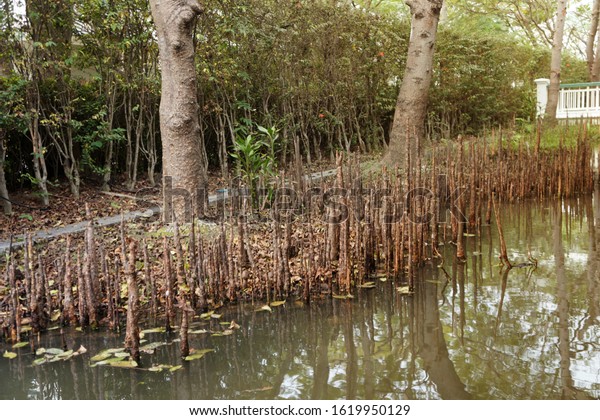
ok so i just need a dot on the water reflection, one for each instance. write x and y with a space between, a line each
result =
471 330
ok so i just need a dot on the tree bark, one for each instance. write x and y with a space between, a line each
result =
182 148
6 205
555 64
411 107
589 51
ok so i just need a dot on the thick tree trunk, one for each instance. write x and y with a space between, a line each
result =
591 39
6 205
555 64
183 153
411 108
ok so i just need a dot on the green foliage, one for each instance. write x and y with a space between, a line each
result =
254 152
481 80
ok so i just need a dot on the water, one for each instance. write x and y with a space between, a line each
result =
470 331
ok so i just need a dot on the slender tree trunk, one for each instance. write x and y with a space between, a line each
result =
411 107
555 64
175 22
589 51
595 76
6 205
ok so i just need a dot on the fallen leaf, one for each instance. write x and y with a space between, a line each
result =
207 315
198 354
154 330
277 303
266 308
124 364
404 290
55 315
100 356
9 355
79 351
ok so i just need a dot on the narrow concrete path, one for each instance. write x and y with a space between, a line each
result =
41 235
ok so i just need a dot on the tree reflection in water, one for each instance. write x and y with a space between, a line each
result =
477 332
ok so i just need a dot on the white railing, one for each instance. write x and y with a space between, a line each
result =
575 100
579 100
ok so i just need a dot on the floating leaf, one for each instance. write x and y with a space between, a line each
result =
9 354
38 362
65 354
54 351
122 354
25 329
19 345
198 354
277 303
154 330
101 356
158 368
198 332
368 285
79 351
207 315
216 316
234 326
110 361
404 290
341 297
113 351
149 348
175 368
40 351
55 315
124 364
222 333
266 308
383 279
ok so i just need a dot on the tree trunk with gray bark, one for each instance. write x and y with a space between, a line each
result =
183 151
555 64
411 107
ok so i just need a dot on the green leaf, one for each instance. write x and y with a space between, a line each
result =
175 368
154 330
149 348
198 354
19 345
277 303
54 351
9 355
40 361
124 364
110 361
100 356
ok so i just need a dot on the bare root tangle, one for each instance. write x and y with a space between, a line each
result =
369 227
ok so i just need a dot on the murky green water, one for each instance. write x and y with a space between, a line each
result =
472 332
